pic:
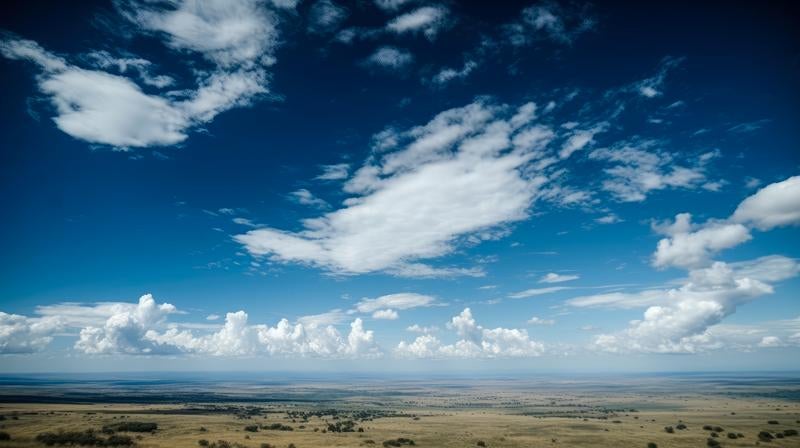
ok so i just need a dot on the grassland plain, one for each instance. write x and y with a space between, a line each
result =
671 412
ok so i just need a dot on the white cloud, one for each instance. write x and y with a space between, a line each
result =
652 87
552 277
391 5
305 197
610 218
770 341
236 37
428 19
457 179
539 321
638 168
686 247
537 292
474 342
244 222
775 205
127 331
334 172
213 317
446 75
21 334
388 314
580 139
549 20
143 329
681 324
399 301
420 329
325 16
390 58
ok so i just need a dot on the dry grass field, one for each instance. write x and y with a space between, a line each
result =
492 414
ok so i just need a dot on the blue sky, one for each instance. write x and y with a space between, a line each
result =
321 185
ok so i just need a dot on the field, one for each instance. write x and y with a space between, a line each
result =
668 411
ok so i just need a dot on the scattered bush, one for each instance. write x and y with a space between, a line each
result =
669 429
714 435
203 442
131 427
5 436
765 436
481 443
398 442
773 422
712 442
732 435
652 445
278 427
707 428
790 432
251 428
85 438
680 426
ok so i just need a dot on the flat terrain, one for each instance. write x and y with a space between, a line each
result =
611 412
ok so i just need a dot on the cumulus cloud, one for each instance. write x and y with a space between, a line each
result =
688 245
21 334
428 20
474 341
128 331
237 39
142 329
458 179
681 324
775 205
552 277
239 338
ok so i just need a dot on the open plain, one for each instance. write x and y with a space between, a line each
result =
641 411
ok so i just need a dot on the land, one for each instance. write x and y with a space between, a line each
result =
610 411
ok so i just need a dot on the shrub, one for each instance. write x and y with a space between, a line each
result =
203 442
713 434
5 436
481 443
398 442
707 428
712 442
790 432
765 436
131 427
680 426
773 422
251 428
85 438
669 429
118 440
652 445
718 429
732 435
